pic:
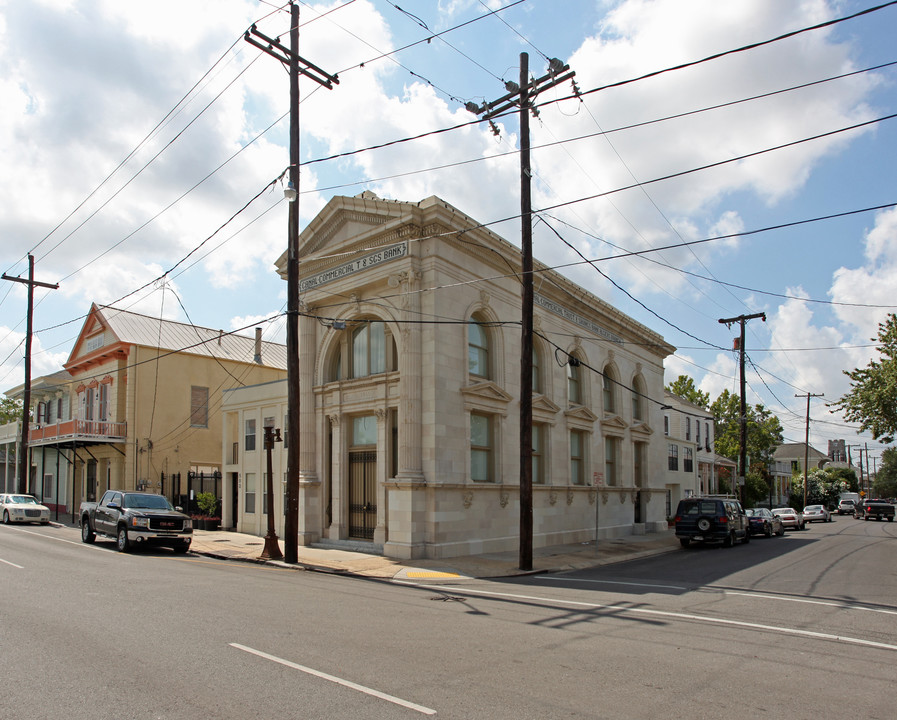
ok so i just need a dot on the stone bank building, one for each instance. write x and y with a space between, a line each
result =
410 347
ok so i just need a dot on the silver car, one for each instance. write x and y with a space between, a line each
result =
23 508
791 518
816 513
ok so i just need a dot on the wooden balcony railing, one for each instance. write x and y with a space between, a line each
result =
98 430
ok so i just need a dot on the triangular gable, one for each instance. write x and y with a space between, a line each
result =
94 324
544 410
641 430
486 396
347 222
614 424
580 416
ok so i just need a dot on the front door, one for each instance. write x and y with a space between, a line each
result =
362 494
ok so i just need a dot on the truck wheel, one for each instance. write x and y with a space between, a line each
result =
182 548
121 540
730 540
87 535
685 542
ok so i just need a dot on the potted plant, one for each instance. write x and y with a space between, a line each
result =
208 503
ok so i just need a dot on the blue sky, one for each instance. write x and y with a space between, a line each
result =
131 132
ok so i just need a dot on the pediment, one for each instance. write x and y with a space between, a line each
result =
486 395
580 413
613 423
93 325
543 409
641 429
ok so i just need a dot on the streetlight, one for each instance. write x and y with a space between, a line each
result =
272 548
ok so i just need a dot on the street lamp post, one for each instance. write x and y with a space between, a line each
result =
272 548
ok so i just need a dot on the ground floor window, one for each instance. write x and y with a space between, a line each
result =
481 448
610 460
249 493
638 464
538 454
577 457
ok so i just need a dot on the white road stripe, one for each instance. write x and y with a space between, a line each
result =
11 563
828 603
338 681
673 615
561 578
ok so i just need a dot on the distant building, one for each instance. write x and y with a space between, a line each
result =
691 461
137 408
794 454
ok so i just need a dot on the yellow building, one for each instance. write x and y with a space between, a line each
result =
138 407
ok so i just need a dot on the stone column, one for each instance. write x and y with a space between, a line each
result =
380 532
310 517
337 528
405 497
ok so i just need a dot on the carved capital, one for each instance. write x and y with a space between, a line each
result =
468 499
503 499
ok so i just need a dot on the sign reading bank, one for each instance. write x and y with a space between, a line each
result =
366 262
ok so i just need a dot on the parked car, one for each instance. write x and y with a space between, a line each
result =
790 518
762 522
846 507
136 518
711 520
23 508
816 513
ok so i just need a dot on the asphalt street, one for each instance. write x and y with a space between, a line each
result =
801 626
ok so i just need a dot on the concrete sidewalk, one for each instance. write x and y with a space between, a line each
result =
238 546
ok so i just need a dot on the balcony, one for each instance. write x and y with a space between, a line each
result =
98 431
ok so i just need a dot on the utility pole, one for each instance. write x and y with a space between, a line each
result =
742 456
521 95
297 65
23 463
807 441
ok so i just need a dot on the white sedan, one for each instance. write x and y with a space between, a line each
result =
23 508
791 518
817 513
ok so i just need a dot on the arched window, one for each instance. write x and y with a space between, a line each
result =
371 350
638 400
478 349
608 390
537 372
574 381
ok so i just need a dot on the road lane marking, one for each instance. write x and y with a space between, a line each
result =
338 681
11 563
619 610
560 578
828 603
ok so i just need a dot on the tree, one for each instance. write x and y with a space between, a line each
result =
764 431
684 387
885 484
10 410
872 400
824 487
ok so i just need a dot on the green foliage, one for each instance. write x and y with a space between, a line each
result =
10 410
885 484
764 431
756 489
824 487
207 502
872 400
847 477
684 387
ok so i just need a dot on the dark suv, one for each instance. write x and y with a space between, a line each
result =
711 520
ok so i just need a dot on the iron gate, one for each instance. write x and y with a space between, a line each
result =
362 494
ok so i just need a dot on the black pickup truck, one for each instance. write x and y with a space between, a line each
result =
878 509
133 518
